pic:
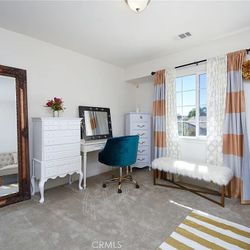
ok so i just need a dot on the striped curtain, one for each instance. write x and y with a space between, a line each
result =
159 114
235 141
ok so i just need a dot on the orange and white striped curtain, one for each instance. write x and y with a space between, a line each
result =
159 114
235 141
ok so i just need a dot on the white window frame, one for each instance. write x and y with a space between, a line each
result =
194 70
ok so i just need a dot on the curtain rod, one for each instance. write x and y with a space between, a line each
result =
184 65
197 62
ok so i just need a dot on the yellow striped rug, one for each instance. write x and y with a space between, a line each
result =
204 231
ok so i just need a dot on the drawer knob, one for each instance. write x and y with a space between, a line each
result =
140 126
141 134
141 151
141 159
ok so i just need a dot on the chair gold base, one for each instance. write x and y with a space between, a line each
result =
121 179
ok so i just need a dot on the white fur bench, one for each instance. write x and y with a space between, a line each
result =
209 173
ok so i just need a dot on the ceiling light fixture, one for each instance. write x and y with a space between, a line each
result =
137 5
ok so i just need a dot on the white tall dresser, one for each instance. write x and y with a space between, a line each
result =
56 150
140 124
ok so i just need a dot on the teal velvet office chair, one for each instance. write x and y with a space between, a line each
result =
120 152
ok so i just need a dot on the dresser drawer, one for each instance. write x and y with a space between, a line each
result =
143 141
142 159
143 150
61 133
142 133
140 126
61 137
60 140
61 151
61 125
60 162
60 167
140 118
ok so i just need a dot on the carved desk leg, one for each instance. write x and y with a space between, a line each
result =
84 169
41 188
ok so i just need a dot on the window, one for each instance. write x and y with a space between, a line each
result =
191 105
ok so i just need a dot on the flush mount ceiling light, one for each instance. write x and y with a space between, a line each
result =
137 5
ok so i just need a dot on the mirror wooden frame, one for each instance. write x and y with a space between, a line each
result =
22 136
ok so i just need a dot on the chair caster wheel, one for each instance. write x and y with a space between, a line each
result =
104 185
119 191
137 186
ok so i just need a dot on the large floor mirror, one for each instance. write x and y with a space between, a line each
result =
14 150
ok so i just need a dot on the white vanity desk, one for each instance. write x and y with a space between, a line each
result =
89 146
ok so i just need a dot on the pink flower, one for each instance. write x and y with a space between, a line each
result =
58 100
49 103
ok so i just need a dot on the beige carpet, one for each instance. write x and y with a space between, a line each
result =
203 231
137 219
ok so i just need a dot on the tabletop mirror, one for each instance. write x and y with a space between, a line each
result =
96 123
14 156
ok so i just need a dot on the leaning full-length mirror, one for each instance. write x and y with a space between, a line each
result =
14 150
8 135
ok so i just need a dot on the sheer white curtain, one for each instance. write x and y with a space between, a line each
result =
216 96
171 115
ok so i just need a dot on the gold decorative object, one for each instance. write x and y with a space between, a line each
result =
246 70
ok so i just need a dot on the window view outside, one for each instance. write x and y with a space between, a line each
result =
191 105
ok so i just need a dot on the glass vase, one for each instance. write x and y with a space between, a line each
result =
55 113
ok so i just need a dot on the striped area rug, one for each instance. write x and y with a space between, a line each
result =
203 231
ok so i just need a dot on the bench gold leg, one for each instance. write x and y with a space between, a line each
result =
192 188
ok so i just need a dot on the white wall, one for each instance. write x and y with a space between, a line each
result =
79 80
144 91
190 149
